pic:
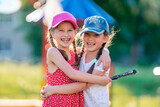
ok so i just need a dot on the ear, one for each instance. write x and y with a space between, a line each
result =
105 39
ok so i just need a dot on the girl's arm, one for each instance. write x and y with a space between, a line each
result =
67 88
63 89
55 56
105 59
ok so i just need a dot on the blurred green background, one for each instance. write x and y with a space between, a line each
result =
136 46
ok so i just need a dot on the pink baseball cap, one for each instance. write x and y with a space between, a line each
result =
63 16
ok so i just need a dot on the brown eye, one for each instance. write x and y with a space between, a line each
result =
61 30
70 30
86 34
96 35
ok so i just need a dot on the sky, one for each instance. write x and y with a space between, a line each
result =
9 6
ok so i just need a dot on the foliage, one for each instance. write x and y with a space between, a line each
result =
138 21
33 31
137 42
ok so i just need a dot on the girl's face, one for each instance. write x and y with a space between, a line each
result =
93 41
64 35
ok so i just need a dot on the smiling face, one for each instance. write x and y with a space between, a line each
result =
64 35
93 41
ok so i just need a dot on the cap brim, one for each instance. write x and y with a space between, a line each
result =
91 29
74 24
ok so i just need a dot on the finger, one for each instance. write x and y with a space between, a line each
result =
43 98
42 95
45 95
99 61
43 92
105 66
43 87
110 80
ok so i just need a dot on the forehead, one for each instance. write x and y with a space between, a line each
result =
65 24
92 33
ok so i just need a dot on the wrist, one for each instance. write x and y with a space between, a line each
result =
88 84
55 90
52 90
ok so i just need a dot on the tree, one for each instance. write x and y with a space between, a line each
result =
138 21
33 31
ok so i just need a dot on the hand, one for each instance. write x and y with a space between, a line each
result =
107 80
47 91
105 59
43 97
88 85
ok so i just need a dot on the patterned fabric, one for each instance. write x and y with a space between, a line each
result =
59 100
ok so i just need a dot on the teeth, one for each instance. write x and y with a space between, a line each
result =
64 39
90 44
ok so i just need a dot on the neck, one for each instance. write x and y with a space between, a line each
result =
66 51
90 55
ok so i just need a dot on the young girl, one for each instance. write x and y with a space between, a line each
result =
61 72
96 36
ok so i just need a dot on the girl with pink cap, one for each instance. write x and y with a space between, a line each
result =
62 63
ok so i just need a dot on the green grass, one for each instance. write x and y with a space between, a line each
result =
138 90
142 83
23 81
122 97
19 80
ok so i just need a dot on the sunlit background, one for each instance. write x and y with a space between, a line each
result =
23 29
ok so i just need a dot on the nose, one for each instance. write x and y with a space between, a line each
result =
65 34
91 37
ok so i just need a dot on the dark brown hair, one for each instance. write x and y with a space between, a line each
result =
104 45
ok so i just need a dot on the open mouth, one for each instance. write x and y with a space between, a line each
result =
65 40
90 44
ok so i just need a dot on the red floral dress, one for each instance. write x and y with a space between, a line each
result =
63 100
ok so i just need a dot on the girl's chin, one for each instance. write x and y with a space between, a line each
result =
90 46
65 45
90 49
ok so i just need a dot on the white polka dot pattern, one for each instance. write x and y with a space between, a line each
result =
59 100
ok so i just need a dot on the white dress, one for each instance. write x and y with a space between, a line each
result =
96 95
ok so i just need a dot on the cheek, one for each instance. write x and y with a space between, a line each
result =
72 34
99 41
57 34
84 40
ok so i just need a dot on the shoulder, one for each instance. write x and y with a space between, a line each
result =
52 50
